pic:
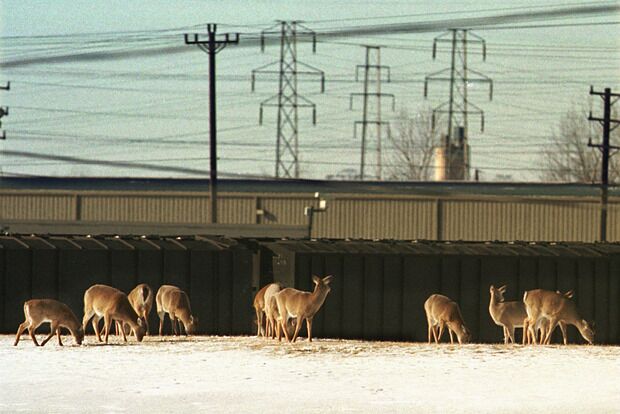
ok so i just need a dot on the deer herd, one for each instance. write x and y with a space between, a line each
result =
281 311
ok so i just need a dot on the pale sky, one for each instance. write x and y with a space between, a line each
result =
152 109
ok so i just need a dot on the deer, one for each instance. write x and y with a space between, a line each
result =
102 301
508 315
174 301
539 330
259 308
271 309
556 308
441 311
293 303
141 300
38 311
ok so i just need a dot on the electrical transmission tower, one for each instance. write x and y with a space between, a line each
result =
373 54
452 160
211 46
4 110
288 100
606 122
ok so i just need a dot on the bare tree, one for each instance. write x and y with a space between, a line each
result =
569 159
413 140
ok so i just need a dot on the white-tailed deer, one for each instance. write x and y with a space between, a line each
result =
141 300
293 303
102 301
556 308
259 308
441 311
271 309
509 315
539 330
173 301
38 311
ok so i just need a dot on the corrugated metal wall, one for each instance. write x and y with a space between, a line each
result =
216 273
378 290
482 217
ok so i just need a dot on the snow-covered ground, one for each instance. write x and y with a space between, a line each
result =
251 375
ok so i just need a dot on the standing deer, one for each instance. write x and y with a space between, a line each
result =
509 315
271 309
141 300
293 303
111 304
441 311
259 307
38 311
556 308
172 300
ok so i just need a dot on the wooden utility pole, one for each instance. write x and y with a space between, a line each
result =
211 46
605 147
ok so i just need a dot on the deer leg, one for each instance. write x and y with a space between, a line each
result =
526 332
95 323
53 328
563 329
173 320
309 328
86 318
505 334
451 338
442 326
161 315
107 321
122 330
552 325
31 330
297 327
511 334
278 329
146 323
58 334
284 322
22 327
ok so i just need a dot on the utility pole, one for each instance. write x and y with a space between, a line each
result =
606 122
372 53
288 100
455 151
212 46
4 110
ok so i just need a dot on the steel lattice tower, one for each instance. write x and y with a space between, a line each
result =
458 106
288 100
373 54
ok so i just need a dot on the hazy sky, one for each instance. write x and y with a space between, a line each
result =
126 105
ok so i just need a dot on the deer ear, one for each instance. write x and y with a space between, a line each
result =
569 294
502 289
328 279
139 321
316 279
491 288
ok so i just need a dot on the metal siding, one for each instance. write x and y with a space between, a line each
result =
520 220
285 210
377 218
37 207
236 210
162 209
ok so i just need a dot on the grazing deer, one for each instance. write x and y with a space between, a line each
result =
38 311
441 311
556 308
259 308
539 330
172 300
141 299
111 304
293 303
509 315
271 309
